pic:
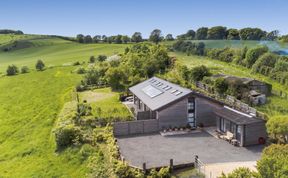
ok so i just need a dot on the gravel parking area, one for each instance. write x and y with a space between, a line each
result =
156 150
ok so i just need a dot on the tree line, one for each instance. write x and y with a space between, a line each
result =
155 36
223 33
7 31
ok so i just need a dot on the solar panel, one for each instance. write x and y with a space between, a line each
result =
177 93
151 91
173 91
168 88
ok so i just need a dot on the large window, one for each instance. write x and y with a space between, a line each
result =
191 112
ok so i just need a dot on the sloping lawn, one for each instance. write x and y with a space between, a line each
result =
275 106
29 106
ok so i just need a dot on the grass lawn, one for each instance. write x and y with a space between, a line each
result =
105 104
30 104
275 105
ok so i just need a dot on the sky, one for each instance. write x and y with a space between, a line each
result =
111 17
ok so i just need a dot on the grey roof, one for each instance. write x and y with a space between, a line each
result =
236 116
156 93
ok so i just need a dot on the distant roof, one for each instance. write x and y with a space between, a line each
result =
157 93
236 116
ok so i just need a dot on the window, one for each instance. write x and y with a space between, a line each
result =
177 93
173 91
168 88
190 106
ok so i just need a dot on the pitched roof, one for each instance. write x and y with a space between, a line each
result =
157 93
235 116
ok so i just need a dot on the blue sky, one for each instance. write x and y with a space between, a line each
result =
109 17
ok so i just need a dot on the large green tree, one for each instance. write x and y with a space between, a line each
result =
233 34
201 33
155 36
136 37
274 162
217 33
277 127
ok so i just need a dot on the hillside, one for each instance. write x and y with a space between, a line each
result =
31 103
52 50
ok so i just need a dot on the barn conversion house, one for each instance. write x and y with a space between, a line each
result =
171 105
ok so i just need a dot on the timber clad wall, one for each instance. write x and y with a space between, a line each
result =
205 113
174 115
253 132
143 115
135 127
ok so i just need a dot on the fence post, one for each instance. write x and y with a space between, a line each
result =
196 162
171 165
144 168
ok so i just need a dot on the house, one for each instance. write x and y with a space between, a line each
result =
175 106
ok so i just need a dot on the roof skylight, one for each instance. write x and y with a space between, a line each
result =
151 91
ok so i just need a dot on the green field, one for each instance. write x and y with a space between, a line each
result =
55 51
31 102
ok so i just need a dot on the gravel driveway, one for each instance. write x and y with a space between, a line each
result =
156 150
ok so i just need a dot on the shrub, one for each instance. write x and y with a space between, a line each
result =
221 85
241 172
86 151
40 65
84 109
24 69
277 127
80 88
273 162
101 58
67 135
77 63
253 54
12 70
92 59
199 72
81 70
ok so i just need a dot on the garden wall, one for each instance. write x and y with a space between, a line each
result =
135 127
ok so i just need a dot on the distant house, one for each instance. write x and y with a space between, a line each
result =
175 106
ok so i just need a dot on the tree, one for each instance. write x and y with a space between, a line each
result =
155 36
272 35
96 38
190 35
253 54
92 59
277 127
274 162
80 38
251 34
221 85
24 69
201 33
136 37
115 77
169 37
104 38
216 33
199 72
40 65
12 70
101 58
233 34
241 172
88 39
125 39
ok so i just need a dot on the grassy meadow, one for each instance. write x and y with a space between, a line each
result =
275 105
31 102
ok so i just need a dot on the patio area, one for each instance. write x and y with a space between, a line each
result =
156 150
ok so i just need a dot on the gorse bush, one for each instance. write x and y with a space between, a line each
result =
24 69
67 135
40 65
12 70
